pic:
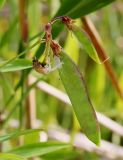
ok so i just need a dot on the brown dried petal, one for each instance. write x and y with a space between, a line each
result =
39 67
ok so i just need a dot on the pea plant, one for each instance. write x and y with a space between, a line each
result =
68 71
38 63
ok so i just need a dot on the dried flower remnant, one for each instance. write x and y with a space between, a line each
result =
45 68
58 62
68 22
65 20
40 67
56 48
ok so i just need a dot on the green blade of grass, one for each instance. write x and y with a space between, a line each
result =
39 149
15 65
17 134
8 156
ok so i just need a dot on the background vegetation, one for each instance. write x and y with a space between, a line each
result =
29 100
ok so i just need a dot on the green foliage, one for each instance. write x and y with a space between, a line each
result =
78 94
39 149
23 104
8 156
84 41
17 134
9 33
76 9
2 3
62 154
15 65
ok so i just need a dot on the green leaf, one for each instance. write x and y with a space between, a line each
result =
78 8
8 156
2 2
62 154
86 43
76 89
7 36
17 134
39 149
15 65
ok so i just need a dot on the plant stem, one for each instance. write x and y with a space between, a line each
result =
30 106
96 40
23 20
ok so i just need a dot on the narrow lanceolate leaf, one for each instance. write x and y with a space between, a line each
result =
39 149
16 65
8 156
85 43
78 8
17 134
77 91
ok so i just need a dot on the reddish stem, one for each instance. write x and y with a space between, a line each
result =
23 20
93 34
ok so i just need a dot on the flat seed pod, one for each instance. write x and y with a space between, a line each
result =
77 91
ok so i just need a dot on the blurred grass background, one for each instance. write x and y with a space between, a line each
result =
49 110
